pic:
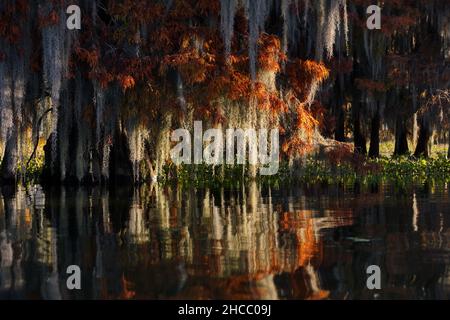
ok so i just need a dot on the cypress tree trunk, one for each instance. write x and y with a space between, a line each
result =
358 135
8 169
374 151
448 154
121 168
423 142
339 134
401 137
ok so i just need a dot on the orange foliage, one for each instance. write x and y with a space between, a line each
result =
300 142
340 153
270 53
127 82
268 100
178 40
193 65
91 57
302 74
305 119
127 294
232 84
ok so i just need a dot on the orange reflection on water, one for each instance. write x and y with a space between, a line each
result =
168 243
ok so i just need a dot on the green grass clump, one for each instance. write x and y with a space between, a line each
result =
401 170
33 171
415 169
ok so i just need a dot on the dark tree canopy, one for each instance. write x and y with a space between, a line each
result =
100 102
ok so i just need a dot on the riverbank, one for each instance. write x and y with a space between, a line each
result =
401 170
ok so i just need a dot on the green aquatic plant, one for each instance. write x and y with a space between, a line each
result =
400 171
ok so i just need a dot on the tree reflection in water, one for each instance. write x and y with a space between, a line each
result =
253 243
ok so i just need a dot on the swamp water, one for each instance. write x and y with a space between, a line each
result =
294 242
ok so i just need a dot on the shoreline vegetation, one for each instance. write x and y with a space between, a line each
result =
400 172
311 170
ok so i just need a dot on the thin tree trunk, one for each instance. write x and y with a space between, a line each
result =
121 168
448 153
339 134
423 142
401 137
8 170
374 151
358 135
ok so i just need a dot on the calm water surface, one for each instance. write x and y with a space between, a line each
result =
253 243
